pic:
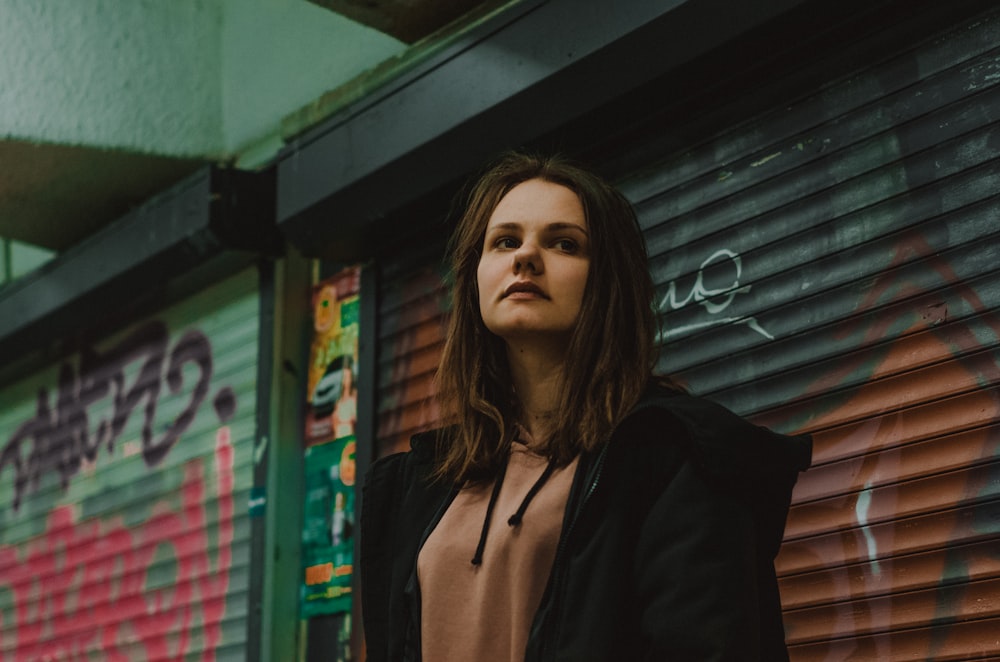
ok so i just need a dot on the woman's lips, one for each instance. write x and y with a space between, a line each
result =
524 290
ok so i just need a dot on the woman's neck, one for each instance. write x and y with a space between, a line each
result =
537 373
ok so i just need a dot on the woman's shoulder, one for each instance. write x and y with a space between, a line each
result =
720 440
406 465
399 497
408 474
729 457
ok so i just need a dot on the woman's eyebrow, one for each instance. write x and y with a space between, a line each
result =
555 226
503 226
560 225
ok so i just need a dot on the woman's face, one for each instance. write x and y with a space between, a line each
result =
535 258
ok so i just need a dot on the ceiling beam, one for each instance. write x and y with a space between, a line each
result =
215 213
516 76
55 195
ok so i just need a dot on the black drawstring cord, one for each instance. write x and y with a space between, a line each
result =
516 518
477 559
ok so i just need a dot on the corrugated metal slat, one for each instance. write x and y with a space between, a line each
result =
833 266
119 553
412 303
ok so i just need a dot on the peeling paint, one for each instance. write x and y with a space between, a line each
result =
764 160
259 449
861 512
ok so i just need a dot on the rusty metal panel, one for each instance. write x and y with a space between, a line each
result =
124 474
833 266
412 307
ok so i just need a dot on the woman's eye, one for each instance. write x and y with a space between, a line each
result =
505 243
566 245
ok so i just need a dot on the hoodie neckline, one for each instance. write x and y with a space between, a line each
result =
517 517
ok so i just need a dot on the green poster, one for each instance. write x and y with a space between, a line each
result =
332 387
328 532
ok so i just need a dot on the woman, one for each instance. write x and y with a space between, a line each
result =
345 411
576 507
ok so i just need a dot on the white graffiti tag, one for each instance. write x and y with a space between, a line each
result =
714 300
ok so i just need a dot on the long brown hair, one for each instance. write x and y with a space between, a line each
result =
612 344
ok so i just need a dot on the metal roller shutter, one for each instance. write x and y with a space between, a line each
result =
832 266
412 305
124 479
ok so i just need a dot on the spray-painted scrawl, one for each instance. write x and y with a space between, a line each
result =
62 435
147 577
715 300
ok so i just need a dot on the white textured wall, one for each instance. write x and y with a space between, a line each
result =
198 78
141 75
280 55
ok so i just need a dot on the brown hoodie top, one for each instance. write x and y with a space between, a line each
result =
481 577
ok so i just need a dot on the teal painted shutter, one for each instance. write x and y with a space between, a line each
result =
125 475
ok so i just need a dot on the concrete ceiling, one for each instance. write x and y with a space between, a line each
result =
54 195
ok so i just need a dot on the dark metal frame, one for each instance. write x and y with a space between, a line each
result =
214 215
518 76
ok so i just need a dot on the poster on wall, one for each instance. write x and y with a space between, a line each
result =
331 407
331 414
328 531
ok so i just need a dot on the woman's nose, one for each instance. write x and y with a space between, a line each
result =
527 258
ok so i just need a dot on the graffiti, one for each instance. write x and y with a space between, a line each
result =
864 502
95 587
63 437
715 300
892 544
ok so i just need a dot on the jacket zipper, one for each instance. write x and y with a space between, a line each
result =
561 549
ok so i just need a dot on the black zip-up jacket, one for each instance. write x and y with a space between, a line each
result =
666 552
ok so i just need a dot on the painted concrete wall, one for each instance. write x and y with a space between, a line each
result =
280 55
192 78
140 75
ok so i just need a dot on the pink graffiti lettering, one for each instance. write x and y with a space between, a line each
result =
95 586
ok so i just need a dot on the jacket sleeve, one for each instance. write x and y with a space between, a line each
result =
398 503
379 516
696 573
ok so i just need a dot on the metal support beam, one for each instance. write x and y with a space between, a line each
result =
100 282
515 77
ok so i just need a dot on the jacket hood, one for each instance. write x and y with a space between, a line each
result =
728 446
733 454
